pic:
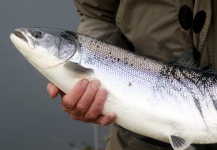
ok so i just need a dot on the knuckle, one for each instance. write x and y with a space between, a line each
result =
65 101
68 102
91 116
95 109
74 117
95 84
102 95
97 105
104 120
80 90
91 93
81 109
65 109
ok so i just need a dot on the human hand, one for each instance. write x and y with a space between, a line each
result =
85 102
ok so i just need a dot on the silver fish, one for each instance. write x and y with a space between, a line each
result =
160 100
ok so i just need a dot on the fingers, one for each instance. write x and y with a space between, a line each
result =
52 90
106 119
85 103
70 100
97 105
86 100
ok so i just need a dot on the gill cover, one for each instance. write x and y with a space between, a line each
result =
60 43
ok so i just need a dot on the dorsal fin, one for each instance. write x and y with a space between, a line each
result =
190 59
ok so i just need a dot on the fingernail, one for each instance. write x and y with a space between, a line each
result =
84 83
95 84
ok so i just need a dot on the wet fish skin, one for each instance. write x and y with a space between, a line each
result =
163 101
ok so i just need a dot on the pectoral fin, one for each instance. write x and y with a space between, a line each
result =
179 143
76 68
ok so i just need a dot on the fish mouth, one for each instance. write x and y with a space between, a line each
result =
20 35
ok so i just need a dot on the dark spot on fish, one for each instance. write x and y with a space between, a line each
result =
194 76
215 103
197 103
125 60
213 97
129 84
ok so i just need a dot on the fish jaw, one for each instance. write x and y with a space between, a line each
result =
37 56
20 44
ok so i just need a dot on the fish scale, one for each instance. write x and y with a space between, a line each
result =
154 78
164 101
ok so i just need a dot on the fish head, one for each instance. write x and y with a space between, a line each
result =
45 47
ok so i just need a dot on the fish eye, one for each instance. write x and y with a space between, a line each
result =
37 34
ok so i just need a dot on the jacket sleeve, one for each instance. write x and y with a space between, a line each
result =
98 19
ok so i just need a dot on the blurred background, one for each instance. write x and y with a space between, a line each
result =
29 118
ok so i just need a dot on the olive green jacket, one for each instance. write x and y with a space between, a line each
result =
162 29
